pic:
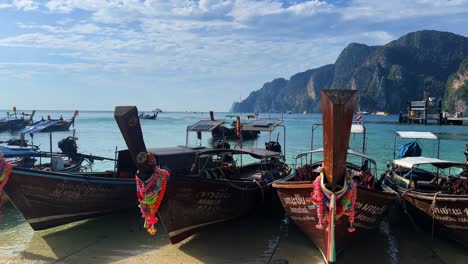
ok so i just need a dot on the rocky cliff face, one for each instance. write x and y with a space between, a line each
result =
387 76
299 93
456 92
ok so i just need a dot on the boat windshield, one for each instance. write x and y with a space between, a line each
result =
356 158
238 165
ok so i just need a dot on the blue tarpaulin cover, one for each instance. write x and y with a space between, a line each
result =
411 149
38 126
15 152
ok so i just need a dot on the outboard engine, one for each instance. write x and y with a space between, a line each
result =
68 146
221 144
273 146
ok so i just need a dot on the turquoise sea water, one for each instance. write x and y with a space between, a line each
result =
99 135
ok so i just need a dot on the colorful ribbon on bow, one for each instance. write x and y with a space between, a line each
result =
151 193
339 203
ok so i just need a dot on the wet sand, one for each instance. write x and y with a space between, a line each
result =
257 238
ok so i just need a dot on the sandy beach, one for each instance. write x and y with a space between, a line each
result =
257 238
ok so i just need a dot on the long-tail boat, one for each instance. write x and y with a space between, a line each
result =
50 125
21 154
58 192
49 196
434 192
205 186
13 122
322 193
148 116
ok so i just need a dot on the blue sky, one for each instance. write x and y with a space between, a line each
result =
187 55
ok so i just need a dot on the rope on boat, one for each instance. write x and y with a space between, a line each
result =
151 193
263 192
403 204
5 171
245 188
433 211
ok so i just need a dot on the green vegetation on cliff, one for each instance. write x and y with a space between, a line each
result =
301 92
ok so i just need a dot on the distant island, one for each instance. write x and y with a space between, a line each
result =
387 77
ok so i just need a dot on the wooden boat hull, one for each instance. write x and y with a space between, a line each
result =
60 126
370 208
149 117
447 214
13 125
192 204
48 199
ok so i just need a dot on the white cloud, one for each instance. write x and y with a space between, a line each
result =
121 11
26 5
377 37
311 7
88 28
5 5
401 9
244 9
246 42
66 6
195 37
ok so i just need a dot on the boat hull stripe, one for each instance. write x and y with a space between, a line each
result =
53 217
74 178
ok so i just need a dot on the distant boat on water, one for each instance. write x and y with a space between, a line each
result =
362 112
148 116
290 112
380 113
12 122
252 116
50 125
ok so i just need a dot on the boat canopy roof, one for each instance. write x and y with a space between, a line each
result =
416 134
180 150
357 128
38 126
205 125
256 153
350 152
262 125
18 153
410 162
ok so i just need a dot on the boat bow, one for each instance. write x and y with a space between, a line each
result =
130 127
337 117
